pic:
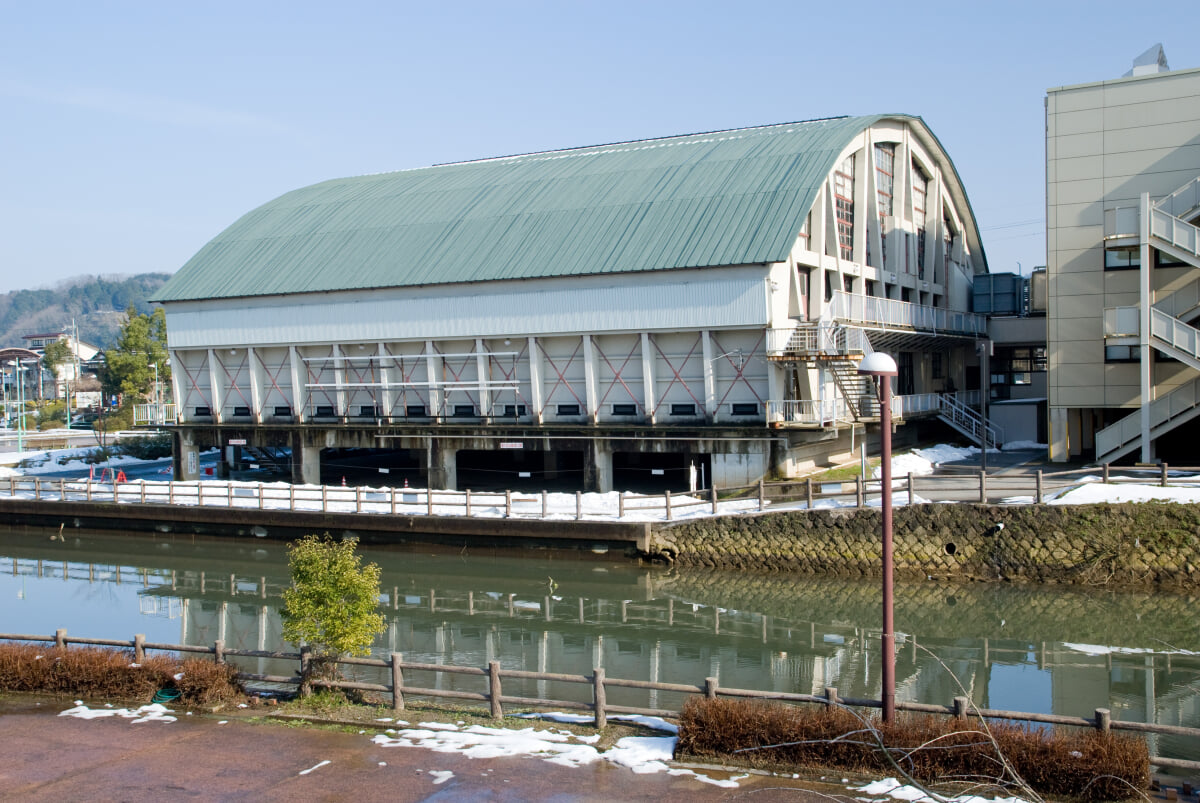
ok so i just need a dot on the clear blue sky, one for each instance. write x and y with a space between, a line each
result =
134 132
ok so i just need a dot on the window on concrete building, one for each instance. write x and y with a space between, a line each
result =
1124 259
624 409
369 411
283 412
567 409
920 191
203 412
804 230
241 412
683 409
1162 260
463 411
848 283
947 243
325 411
745 408
514 411
885 168
843 196
415 411
1121 354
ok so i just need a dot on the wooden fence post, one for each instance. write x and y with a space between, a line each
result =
393 495
305 670
60 638
508 504
1037 499
667 503
62 490
960 707
910 489
1105 474
545 503
261 497
1103 720
37 488
170 492
429 501
620 505
1164 475
358 500
858 491
831 698
808 492
89 489
761 494
494 689
712 495
599 698
467 502
219 651
397 682
578 505
982 487
710 688
324 499
139 648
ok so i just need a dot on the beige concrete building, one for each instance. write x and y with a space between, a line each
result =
1123 262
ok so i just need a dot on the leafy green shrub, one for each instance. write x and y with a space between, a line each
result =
332 604
52 415
151 447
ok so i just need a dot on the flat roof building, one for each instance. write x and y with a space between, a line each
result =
1123 261
596 317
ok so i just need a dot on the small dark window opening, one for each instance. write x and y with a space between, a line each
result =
568 409
514 411
1124 259
415 411
241 412
283 412
369 411
203 411
683 409
325 411
745 408
463 411
624 409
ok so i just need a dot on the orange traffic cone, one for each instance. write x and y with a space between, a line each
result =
343 482
406 482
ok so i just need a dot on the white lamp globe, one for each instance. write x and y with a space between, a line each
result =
877 363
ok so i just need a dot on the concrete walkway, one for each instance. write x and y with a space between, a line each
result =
47 757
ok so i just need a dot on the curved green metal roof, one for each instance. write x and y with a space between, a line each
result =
722 198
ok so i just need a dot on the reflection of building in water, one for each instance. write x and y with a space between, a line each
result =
746 632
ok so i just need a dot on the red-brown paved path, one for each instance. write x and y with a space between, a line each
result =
47 757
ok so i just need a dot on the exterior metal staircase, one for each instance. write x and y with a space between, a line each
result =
855 389
969 423
1171 331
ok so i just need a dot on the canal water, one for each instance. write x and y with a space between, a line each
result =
1044 649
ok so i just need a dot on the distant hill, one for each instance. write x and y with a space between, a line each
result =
97 304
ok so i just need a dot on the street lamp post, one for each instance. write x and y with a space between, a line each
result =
17 369
881 368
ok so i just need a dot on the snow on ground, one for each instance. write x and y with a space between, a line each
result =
147 713
1096 492
1013 446
921 462
890 787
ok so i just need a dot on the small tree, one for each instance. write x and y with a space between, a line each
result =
332 603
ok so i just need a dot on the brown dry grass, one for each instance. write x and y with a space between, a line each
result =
1087 765
111 674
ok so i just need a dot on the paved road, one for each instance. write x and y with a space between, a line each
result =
47 757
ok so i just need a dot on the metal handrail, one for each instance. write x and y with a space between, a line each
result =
889 312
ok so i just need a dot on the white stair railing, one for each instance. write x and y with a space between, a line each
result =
1181 404
969 422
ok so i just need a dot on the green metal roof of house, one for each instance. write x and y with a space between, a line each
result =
724 198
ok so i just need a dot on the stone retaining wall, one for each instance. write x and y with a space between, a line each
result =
1144 543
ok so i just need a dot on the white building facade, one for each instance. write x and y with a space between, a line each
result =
662 308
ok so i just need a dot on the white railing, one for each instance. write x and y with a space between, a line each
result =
1182 301
1177 334
1122 322
910 405
888 312
811 412
1182 201
1121 222
1179 233
154 414
824 337
1128 430
969 422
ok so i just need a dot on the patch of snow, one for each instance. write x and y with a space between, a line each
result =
1013 446
440 776
316 766
1097 492
890 787
155 712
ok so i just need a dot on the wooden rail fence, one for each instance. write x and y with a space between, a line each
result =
960 707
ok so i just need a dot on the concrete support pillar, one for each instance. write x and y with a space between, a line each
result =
306 461
710 383
597 467
187 457
648 377
297 369
1145 300
256 385
443 465
1058 435
535 381
215 388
